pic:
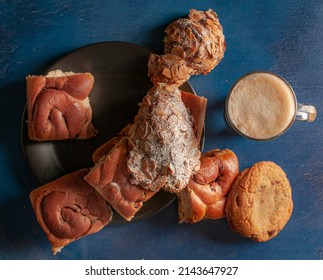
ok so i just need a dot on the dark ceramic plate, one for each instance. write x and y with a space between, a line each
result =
120 72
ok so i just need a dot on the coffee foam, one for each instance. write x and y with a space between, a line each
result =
261 106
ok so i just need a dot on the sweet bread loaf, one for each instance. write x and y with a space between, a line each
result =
110 178
58 106
68 208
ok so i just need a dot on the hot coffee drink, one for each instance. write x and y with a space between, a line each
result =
261 106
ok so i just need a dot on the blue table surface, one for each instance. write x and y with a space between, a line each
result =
281 36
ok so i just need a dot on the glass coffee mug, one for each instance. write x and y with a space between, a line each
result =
262 106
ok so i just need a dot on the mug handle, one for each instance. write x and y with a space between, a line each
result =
305 113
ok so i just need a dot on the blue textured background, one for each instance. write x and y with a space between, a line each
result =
283 36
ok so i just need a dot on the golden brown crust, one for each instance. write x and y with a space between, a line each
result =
260 202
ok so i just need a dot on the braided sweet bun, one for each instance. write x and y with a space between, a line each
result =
206 193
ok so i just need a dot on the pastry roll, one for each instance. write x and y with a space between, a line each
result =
68 209
205 195
58 106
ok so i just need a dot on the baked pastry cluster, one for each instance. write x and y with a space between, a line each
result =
126 176
160 149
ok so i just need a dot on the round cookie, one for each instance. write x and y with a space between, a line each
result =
260 202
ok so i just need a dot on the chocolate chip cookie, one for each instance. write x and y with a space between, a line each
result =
260 201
